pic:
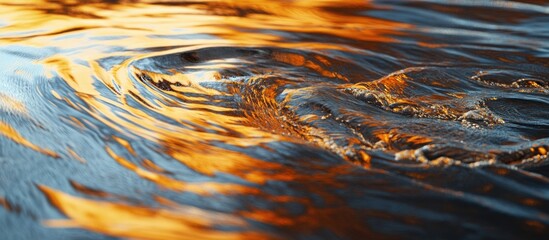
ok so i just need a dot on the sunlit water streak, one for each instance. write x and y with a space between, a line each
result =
274 119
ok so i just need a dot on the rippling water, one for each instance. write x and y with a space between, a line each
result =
230 119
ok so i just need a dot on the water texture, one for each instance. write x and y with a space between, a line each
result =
249 119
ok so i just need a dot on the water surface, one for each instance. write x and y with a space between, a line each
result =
230 119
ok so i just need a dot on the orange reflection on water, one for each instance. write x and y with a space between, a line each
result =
222 18
121 220
75 155
298 60
394 140
9 132
205 188
307 17
4 203
10 104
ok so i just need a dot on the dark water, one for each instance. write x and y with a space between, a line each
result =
297 119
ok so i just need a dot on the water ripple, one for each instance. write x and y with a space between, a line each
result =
268 119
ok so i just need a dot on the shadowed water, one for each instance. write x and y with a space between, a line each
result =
229 119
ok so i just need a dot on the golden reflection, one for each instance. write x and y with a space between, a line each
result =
122 220
10 133
137 22
395 141
205 188
298 60
76 156
89 191
4 203
10 104
542 150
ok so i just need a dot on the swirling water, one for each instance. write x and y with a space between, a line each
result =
230 119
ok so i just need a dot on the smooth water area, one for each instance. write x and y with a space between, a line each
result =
252 119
